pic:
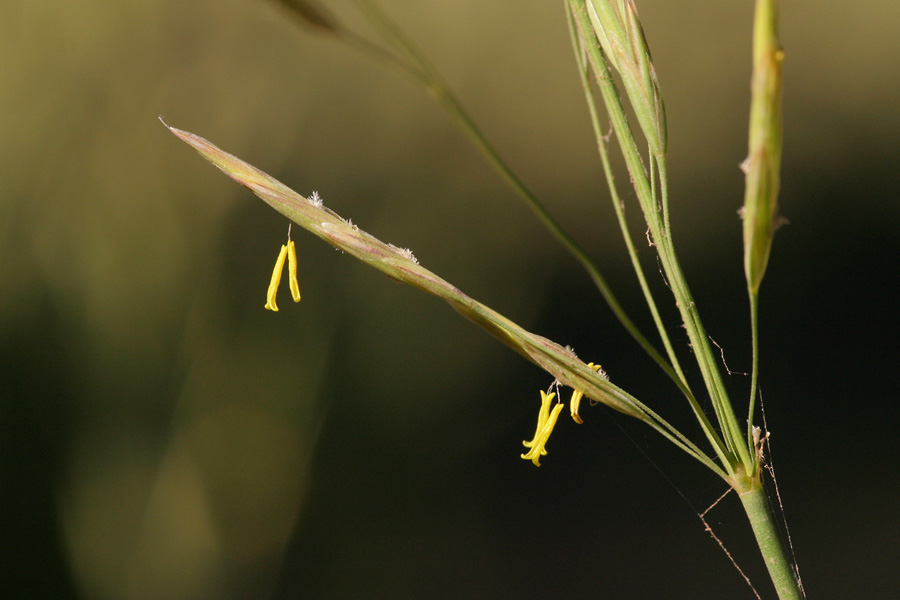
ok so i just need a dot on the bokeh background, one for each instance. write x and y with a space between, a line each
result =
163 436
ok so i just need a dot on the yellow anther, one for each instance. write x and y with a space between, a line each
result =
276 279
289 252
546 422
292 271
543 415
575 402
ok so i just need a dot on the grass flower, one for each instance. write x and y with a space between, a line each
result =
288 251
292 271
546 422
577 395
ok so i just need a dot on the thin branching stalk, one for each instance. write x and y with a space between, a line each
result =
754 372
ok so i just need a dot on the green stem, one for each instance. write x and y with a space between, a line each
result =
706 360
662 165
754 375
759 512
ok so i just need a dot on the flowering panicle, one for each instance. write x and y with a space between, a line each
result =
547 421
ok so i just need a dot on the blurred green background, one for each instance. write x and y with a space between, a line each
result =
163 436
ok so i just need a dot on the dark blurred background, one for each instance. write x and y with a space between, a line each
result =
163 436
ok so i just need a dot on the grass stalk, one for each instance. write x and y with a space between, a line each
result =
762 519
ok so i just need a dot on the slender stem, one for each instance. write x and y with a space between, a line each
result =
761 517
680 440
754 336
662 165
709 368
654 192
